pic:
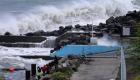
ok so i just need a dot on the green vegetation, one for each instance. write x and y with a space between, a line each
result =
137 78
59 76
1 78
63 74
133 61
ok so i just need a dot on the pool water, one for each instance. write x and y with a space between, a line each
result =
83 50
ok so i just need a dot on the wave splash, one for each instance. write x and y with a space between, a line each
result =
49 18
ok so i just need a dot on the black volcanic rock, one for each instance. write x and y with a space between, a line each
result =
7 34
133 14
61 28
29 34
68 27
37 33
40 33
110 20
77 26
131 22
112 24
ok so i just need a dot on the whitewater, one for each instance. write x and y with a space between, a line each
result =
48 15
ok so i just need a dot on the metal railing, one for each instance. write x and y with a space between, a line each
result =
123 65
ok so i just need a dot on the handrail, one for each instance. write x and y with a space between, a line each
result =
123 65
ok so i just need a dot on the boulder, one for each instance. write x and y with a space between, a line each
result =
131 22
110 20
7 34
132 13
29 34
39 33
61 28
77 26
68 27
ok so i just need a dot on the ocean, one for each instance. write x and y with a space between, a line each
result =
22 16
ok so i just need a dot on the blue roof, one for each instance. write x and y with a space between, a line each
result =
83 50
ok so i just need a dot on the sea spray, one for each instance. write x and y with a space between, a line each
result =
106 40
50 17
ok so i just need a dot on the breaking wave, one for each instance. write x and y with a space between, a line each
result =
50 17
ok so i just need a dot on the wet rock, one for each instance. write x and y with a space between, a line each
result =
84 28
8 34
89 27
101 25
37 33
40 33
132 13
55 33
110 20
61 28
29 34
77 26
68 27
132 22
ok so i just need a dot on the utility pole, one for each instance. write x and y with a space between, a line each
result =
93 39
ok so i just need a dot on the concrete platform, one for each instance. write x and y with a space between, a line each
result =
99 69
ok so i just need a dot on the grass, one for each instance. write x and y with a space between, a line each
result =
137 78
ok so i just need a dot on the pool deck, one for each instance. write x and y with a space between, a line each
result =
103 67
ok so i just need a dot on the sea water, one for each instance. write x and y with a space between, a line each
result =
22 16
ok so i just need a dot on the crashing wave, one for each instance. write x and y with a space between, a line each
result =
49 18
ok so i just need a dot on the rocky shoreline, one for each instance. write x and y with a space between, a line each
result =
113 25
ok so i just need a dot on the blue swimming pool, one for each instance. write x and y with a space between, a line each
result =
83 49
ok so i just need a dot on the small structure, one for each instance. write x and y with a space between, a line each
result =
128 31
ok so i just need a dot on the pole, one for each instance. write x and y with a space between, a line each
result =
33 69
27 75
92 29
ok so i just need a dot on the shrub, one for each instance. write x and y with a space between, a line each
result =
68 71
137 78
59 76
1 78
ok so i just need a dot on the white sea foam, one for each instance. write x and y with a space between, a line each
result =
9 56
107 41
50 17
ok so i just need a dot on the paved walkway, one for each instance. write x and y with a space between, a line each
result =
102 68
